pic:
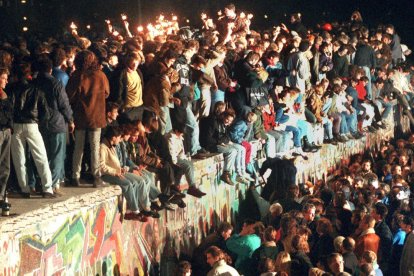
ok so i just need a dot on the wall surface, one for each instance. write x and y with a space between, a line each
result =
86 236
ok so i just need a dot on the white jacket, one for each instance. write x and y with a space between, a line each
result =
220 268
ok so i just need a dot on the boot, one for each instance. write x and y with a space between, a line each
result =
307 147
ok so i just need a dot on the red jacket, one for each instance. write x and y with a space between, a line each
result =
366 242
269 120
362 92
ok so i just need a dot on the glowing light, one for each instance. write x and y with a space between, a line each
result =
25 29
23 1
188 21
174 18
124 17
88 27
242 15
108 21
203 16
250 16
265 16
115 33
140 29
24 18
73 26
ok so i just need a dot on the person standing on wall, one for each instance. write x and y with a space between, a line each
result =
6 115
87 90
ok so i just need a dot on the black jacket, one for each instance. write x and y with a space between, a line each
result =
213 133
29 103
365 56
6 112
385 245
59 108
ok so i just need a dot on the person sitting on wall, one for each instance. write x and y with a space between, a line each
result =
134 187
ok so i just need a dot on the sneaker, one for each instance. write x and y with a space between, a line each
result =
175 191
150 213
58 192
195 192
136 216
203 151
181 204
341 138
225 177
350 136
156 206
49 195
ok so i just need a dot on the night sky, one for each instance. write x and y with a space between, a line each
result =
397 12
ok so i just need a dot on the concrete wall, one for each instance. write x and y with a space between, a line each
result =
85 235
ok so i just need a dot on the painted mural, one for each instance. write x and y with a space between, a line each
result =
95 241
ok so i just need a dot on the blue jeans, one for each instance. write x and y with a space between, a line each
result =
305 130
134 189
188 169
56 151
165 120
387 108
348 123
193 132
296 135
281 140
327 125
229 154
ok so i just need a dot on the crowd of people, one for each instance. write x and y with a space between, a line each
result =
144 105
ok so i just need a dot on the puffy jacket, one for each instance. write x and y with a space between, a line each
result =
238 131
58 103
29 103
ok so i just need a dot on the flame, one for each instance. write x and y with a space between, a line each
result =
73 26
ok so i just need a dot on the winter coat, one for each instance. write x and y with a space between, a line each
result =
237 131
299 68
60 111
28 102
212 133
365 56
87 93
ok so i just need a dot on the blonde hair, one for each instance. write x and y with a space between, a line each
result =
283 261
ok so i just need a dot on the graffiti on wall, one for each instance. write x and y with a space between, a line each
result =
94 241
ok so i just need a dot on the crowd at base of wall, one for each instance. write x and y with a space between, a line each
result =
86 235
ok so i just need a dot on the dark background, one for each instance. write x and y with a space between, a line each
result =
53 16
